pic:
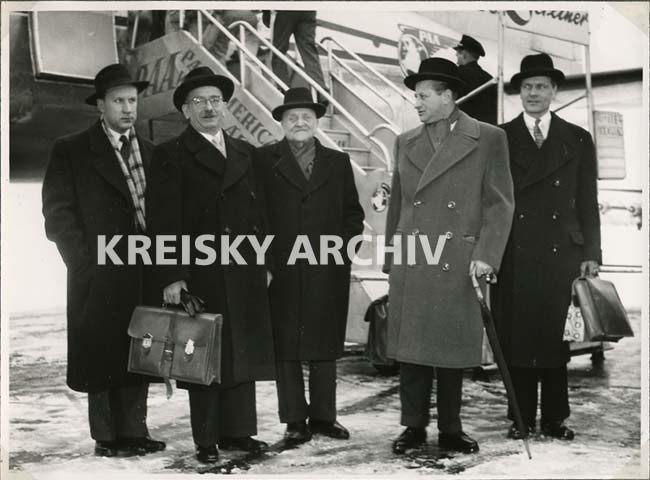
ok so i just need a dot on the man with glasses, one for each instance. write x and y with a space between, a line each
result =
555 238
204 182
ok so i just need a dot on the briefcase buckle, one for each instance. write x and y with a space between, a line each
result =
189 348
147 341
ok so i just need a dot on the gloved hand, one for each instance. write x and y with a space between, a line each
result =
191 304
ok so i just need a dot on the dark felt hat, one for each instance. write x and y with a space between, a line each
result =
437 69
200 77
299 97
471 45
114 75
536 66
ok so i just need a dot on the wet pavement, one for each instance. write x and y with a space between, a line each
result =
50 438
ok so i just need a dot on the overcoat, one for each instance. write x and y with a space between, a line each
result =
195 191
86 195
463 192
309 303
482 106
556 226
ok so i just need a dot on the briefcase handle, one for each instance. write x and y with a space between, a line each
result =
190 303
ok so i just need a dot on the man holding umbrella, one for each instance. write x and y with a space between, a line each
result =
451 178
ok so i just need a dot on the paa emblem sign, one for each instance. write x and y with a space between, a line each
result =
415 44
380 198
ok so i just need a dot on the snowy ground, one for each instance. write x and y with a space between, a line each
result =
49 432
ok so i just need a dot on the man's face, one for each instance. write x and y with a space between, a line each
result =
119 107
204 108
428 103
463 57
299 124
536 94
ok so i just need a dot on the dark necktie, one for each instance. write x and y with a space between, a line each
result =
125 150
537 133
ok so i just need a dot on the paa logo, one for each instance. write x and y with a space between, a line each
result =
415 45
380 197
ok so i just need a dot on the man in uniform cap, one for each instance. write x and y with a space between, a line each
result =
95 185
205 182
311 192
482 106
555 238
451 179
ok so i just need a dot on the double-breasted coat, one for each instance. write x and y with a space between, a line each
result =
483 106
556 226
462 191
86 195
194 190
309 303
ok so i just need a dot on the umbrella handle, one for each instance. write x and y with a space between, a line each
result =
477 287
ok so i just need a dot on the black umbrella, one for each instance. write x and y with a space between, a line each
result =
488 322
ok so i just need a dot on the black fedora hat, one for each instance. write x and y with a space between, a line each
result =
200 77
437 68
471 45
536 66
114 75
299 97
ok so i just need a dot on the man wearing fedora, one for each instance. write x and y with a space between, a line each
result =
555 238
95 185
451 178
311 191
482 106
205 182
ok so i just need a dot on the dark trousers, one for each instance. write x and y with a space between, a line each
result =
118 413
291 391
555 393
302 25
415 383
218 413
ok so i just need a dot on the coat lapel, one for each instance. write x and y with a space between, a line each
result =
203 151
558 148
418 148
526 147
105 161
322 167
237 162
288 166
460 142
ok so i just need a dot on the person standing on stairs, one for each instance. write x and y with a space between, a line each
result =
310 192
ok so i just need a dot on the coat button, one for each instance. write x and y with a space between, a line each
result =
556 183
446 267
449 235
227 230
256 230
417 203
521 216
223 195
555 249
253 196
555 215
451 205
415 231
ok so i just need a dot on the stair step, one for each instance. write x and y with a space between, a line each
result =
340 137
361 156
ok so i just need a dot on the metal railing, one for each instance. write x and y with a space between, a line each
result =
477 90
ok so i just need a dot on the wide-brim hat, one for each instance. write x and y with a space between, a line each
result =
299 97
114 75
471 45
200 77
536 66
437 68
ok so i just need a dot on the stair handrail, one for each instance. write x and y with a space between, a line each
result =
333 56
477 90
295 68
368 67
386 126
384 152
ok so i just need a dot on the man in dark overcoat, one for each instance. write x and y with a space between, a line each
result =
482 106
205 183
94 185
451 179
555 237
311 192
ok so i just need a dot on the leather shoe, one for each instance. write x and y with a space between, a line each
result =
330 429
297 433
105 449
247 444
557 430
411 437
140 445
207 454
458 442
515 434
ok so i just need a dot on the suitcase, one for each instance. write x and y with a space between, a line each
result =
169 343
605 318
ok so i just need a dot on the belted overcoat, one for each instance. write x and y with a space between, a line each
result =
462 192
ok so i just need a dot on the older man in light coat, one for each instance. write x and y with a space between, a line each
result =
451 179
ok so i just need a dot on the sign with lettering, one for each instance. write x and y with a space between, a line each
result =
610 147
166 61
563 24
416 44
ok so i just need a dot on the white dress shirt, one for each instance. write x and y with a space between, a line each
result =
217 141
544 124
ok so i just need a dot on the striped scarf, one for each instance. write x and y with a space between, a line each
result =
133 171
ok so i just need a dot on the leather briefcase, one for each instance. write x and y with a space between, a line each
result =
169 343
605 318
